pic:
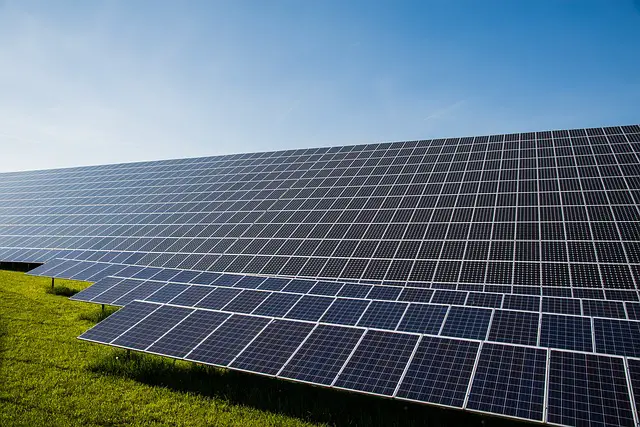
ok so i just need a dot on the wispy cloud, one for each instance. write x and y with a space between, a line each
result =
445 111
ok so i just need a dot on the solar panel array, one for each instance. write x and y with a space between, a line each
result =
497 274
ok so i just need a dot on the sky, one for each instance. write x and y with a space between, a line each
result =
95 82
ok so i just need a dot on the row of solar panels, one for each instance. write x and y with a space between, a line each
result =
466 178
488 377
587 280
578 137
469 169
316 302
516 297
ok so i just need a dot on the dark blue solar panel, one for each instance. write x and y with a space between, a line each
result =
249 282
277 304
117 291
146 332
247 301
467 322
516 327
345 311
273 347
383 315
621 337
587 389
323 354
299 286
415 295
96 289
634 376
189 333
274 284
509 380
192 295
218 298
145 289
378 362
440 371
310 308
354 291
226 342
390 293
166 293
119 322
423 318
566 332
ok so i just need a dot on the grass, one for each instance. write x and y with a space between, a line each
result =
49 378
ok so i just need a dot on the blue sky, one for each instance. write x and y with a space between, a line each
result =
90 82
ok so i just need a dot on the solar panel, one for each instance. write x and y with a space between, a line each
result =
439 372
395 259
510 380
588 389
378 362
320 358
270 350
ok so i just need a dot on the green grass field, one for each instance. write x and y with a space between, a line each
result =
50 378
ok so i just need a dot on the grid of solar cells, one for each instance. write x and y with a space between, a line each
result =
516 327
312 212
566 332
617 337
543 223
510 380
224 344
378 362
119 322
268 353
152 327
467 322
440 371
587 389
189 333
322 355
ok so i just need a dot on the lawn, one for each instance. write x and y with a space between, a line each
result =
48 377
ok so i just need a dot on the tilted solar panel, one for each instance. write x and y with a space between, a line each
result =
497 273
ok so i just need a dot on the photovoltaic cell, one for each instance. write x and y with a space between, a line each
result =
189 333
440 371
117 291
119 322
191 295
621 337
310 308
166 293
273 347
143 290
323 354
226 342
345 311
383 315
246 302
96 289
509 380
588 389
152 327
516 327
377 363
423 318
218 298
634 375
277 304
467 322
566 332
